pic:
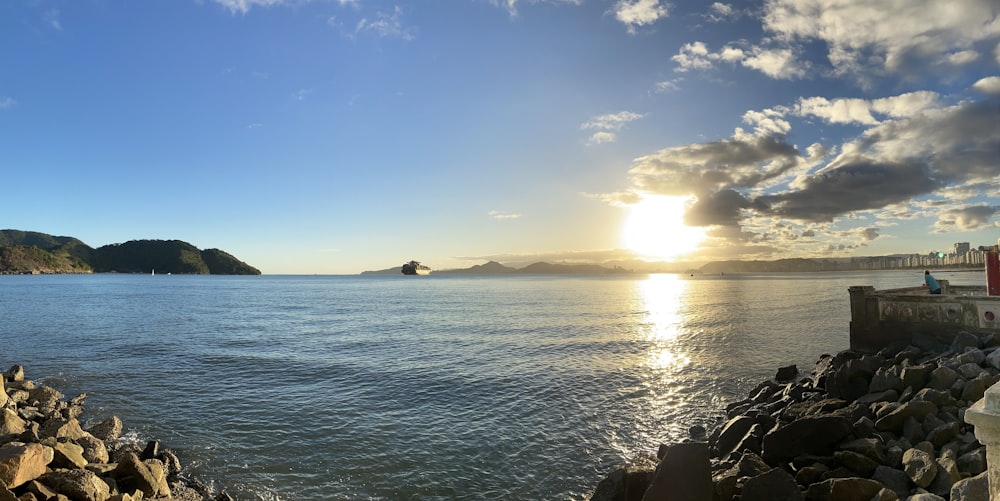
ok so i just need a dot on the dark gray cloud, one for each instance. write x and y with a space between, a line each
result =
722 208
706 167
967 218
854 186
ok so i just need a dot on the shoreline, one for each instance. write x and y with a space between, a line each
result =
45 453
885 426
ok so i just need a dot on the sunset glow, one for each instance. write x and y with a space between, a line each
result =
656 230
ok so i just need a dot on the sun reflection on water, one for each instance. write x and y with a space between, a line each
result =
661 297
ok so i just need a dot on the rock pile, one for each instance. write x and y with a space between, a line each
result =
888 426
45 454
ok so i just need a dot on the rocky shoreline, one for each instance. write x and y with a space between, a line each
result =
46 455
882 427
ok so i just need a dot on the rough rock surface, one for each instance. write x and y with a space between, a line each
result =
885 426
46 455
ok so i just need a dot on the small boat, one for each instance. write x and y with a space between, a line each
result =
415 268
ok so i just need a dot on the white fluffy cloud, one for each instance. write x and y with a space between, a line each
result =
635 13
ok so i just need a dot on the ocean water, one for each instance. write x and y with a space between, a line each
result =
420 388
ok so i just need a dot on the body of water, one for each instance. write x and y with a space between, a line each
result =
438 387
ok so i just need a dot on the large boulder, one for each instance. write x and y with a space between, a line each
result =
920 466
78 484
975 488
732 434
893 421
108 429
836 489
20 463
807 435
775 485
684 474
623 484
132 474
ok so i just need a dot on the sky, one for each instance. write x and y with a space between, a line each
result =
333 137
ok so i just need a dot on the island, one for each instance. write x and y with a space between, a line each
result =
30 252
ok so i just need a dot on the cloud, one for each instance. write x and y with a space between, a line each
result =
511 5
636 13
385 25
720 11
967 219
863 111
914 157
989 85
606 125
6 103
780 63
51 17
503 216
244 6
701 168
900 37
863 39
302 94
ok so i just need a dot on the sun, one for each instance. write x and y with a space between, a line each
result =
655 228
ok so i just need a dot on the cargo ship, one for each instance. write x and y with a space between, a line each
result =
415 268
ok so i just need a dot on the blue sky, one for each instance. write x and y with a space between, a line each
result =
340 136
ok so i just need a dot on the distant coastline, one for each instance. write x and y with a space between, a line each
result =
795 265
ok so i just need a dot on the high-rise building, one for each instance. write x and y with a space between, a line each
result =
961 248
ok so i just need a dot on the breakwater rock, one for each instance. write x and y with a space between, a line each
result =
885 426
47 455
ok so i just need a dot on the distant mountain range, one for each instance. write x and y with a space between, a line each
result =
30 252
495 268
798 265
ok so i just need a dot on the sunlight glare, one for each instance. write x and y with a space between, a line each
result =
662 297
655 228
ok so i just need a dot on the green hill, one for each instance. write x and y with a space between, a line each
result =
33 252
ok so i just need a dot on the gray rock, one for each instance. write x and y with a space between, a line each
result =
786 373
941 485
925 496
920 467
972 463
775 485
942 378
964 340
835 489
974 390
870 447
808 435
915 376
993 359
894 479
858 463
885 378
939 398
969 370
882 396
684 473
78 485
627 483
971 356
895 419
15 373
975 488
133 474
732 434
108 429
20 463
943 434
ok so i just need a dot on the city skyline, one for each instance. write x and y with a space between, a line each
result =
337 136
